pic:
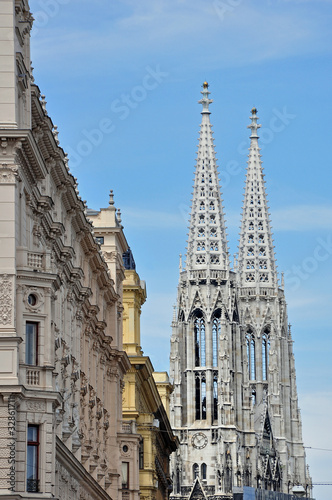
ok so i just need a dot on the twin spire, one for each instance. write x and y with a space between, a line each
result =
207 242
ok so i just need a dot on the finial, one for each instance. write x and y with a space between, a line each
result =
282 280
205 101
174 313
119 216
180 262
111 202
254 126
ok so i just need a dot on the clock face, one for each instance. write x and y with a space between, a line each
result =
199 440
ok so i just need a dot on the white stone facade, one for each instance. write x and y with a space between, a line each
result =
234 405
61 357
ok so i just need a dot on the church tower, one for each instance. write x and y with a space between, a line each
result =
234 406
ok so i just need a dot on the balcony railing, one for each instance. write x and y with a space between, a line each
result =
33 376
33 485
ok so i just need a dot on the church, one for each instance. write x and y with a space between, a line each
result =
234 407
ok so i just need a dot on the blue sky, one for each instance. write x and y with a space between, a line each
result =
122 80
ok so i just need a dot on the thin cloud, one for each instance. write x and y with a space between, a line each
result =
302 218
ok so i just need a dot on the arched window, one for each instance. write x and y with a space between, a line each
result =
251 239
250 339
202 205
211 206
215 396
216 329
201 233
200 396
199 333
178 486
195 471
265 352
203 471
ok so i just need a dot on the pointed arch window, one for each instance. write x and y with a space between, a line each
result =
195 471
251 354
250 277
203 471
265 352
251 212
262 264
250 252
200 396
214 259
202 205
213 233
251 200
212 219
260 226
251 239
262 252
258 200
211 206
250 264
202 192
211 194
215 396
251 226
214 247
199 333
261 239
216 330
210 179
259 213
202 179
201 233
201 219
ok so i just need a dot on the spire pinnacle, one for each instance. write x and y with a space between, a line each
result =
205 101
256 263
207 242
254 126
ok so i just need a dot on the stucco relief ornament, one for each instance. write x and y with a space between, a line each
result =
6 291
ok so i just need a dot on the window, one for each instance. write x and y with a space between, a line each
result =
216 328
203 471
265 353
251 239
211 206
251 226
250 252
250 338
213 233
125 475
250 264
33 458
31 343
200 393
201 233
195 471
215 396
199 332
202 205
141 454
100 240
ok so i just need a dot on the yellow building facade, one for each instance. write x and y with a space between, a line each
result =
146 450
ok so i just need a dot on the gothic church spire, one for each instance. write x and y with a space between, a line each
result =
257 267
207 242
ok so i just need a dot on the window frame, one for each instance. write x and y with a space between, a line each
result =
35 446
31 346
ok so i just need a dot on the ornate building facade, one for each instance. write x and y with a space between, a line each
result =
61 359
146 449
234 405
